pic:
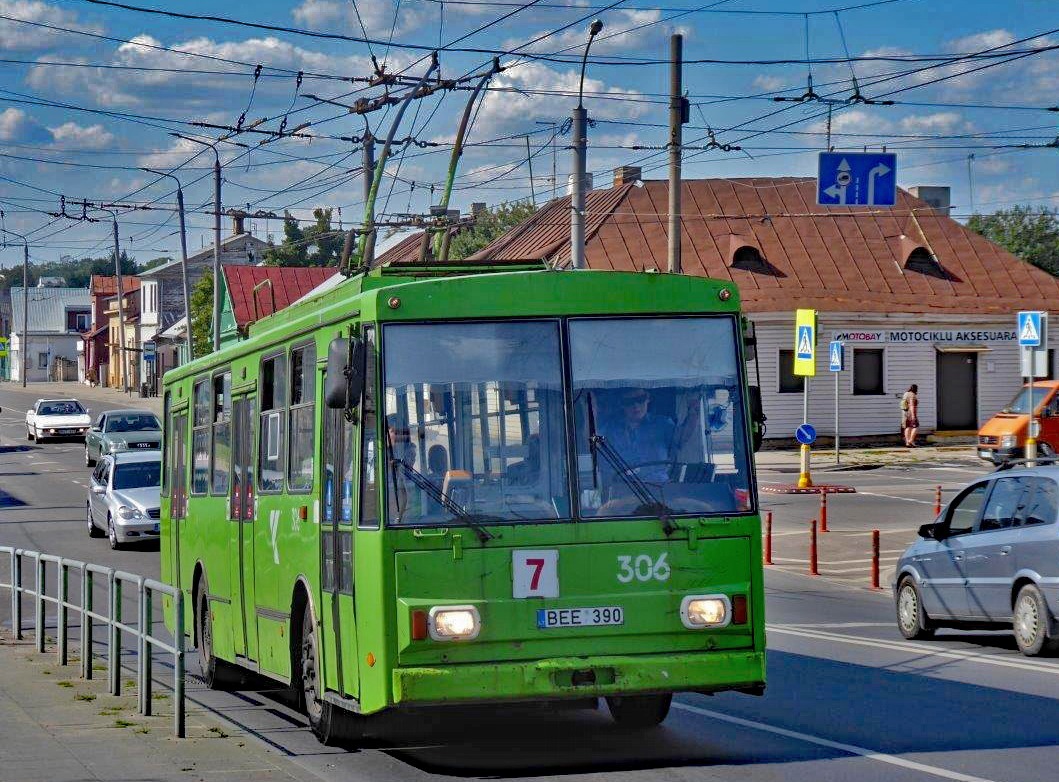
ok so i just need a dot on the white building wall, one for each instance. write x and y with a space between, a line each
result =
55 345
904 363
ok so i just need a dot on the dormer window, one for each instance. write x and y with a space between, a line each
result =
920 260
748 258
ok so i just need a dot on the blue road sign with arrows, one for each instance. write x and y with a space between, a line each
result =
857 179
805 434
835 353
1029 327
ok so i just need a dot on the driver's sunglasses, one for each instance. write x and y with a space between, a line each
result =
634 400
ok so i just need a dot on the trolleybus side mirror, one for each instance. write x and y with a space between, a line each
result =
345 373
757 418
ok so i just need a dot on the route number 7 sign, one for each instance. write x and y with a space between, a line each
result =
535 573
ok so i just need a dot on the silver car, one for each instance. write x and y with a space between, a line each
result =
124 497
990 560
122 430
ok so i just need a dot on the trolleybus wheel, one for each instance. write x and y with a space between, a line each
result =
639 711
217 674
331 724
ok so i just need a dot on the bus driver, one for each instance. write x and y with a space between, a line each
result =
642 438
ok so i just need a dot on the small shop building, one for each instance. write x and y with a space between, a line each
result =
913 295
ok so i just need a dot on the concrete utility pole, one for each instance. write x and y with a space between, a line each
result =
123 355
183 259
24 348
579 128
676 121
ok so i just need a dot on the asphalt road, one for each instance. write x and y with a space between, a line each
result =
847 697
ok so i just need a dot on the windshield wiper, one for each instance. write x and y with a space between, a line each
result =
636 484
459 513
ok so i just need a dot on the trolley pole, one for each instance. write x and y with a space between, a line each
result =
676 120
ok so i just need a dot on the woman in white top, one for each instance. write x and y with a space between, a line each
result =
910 415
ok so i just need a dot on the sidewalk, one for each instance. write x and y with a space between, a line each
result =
823 459
112 397
60 728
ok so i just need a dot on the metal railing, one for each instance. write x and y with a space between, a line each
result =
146 641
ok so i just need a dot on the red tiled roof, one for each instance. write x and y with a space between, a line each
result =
838 259
103 285
288 284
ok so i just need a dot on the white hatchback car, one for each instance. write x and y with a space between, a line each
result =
124 498
56 418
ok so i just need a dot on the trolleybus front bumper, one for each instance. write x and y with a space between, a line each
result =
573 677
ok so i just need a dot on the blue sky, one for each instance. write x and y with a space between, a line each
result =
115 120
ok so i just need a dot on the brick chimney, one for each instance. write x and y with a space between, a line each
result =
238 221
624 175
939 197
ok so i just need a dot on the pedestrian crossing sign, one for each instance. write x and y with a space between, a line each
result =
805 343
835 351
1029 329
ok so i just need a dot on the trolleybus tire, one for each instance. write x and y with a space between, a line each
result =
330 724
639 711
217 674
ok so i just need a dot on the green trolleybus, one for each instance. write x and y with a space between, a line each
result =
439 485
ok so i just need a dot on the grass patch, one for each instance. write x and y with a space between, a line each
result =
65 683
85 696
120 723
160 696
129 683
143 729
109 711
218 732
46 672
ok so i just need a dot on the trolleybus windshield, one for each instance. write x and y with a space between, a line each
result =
659 417
475 423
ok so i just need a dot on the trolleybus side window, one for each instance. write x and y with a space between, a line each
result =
337 459
475 424
220 452
659 412
167 445
200 438
273 398
302 418
177 440
369 449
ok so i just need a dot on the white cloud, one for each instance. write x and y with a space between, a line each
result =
940 122
513 109
82 137
16 37
625 31
16 125
316 13
377 16
990 39
770 83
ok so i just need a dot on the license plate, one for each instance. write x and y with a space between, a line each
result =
145 445
985 453
549 618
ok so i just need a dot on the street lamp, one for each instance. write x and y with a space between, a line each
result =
24 347
183 257
123 356
580 131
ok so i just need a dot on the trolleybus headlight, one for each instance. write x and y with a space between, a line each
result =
699 611
127 512
454 623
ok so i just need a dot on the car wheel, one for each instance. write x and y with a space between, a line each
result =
29 434
331 724
89 461
912 620
112 533
1030 622
639 711
93 530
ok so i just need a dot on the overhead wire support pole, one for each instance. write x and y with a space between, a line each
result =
123 355
579 125
24 347
183 260
367 244
677 115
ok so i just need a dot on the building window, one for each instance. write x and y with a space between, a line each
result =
790 383
302 420
200 439
868 373
42 361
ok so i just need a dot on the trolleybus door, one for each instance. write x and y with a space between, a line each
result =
336 543
242 514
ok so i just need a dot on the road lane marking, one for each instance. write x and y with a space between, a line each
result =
894 497
851 749
906 646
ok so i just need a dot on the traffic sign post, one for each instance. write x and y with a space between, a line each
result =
835 353
1032 329
856 179
805 367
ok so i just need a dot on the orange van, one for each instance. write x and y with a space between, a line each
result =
1003 436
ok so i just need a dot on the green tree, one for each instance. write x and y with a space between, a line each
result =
201 309
488 226
1029 232
316 245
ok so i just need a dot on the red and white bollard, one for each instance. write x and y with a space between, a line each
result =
875 559
814 570
768 537
823 511
937 501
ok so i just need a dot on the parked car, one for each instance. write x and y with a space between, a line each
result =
124 497
56 418
990 560
1003 436
122 430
